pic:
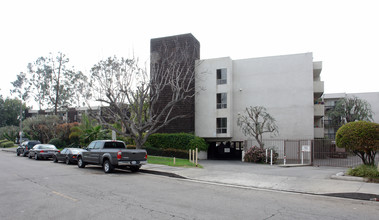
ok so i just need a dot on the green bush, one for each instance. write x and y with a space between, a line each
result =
167 152
361 138
57 143
364 171
258 155
2 141
7 144
182 141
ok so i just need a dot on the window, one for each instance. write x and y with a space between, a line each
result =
114 144
221 100
221 126
221 76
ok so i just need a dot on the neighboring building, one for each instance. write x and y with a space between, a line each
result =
331 100
68 115
288 86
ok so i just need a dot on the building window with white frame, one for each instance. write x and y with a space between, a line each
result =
221 76
221 126
221 100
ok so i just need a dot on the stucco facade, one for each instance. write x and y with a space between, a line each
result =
282 84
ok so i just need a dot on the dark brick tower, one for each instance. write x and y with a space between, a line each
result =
162 49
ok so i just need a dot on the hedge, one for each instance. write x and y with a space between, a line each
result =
57 143
182 141
7 144
167 152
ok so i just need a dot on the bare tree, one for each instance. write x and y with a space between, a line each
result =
134 97
257 122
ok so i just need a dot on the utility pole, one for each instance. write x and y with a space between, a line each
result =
20 122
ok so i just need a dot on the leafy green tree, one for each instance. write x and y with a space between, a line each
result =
361 138
55 84
10 111
89 130
351 109
255 122
41 127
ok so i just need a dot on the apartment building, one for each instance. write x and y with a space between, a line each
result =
289 86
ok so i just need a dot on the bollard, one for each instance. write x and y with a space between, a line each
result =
302 157
174 160
378 167
271 159
190 155
193 156
196 157
285 159
266 154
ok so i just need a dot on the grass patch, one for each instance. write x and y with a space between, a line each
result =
364 171
169 161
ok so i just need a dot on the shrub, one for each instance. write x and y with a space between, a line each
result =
57 143
181 141
167 152
2 141
258 155
364 171
361 138
7 144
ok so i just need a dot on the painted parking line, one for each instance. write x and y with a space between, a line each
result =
64 196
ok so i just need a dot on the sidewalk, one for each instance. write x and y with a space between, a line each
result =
306 179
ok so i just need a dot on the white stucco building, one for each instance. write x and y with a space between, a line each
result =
288 86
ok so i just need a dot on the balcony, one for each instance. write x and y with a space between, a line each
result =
319 132
319 110
318 89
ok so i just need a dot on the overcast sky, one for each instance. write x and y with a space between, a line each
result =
342 34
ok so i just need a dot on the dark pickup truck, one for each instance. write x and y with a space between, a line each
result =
112 154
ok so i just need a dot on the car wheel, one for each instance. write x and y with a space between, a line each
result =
134 169
29 156
18 153
81 163
55 159
67 161
107 166
36 156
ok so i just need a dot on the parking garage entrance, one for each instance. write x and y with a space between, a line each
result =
225 150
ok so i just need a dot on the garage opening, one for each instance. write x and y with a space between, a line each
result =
225 150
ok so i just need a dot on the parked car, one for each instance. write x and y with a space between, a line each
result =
42 151
24 148
68 155
111 154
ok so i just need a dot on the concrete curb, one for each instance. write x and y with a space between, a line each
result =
341 176
294 165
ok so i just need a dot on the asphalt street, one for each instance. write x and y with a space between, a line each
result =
42 189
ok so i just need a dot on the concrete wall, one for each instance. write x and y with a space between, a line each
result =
282 84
